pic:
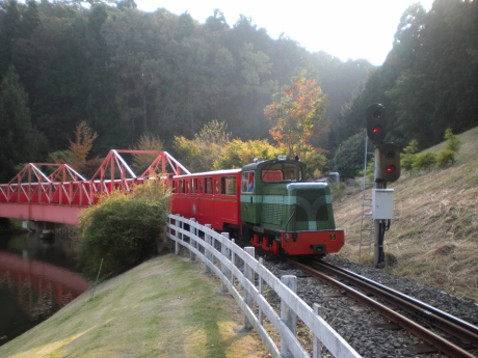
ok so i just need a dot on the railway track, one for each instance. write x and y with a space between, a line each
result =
461 335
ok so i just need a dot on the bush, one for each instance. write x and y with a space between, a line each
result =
445 158
123 230
424 161
409 155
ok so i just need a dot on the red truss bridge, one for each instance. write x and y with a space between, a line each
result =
58 197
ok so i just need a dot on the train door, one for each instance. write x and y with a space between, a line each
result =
250 201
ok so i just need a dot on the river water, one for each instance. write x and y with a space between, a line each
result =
37 278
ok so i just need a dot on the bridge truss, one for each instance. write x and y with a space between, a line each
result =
59 196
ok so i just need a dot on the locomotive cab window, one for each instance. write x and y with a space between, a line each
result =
247 182
279 172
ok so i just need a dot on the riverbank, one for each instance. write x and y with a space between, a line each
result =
163 308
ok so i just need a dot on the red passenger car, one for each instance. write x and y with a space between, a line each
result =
210 197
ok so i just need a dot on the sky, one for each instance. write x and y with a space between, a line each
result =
347 29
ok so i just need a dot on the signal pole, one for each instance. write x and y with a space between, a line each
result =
387 169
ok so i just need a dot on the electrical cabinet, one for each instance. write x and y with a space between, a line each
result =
382 204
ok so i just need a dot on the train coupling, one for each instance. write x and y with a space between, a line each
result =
318 248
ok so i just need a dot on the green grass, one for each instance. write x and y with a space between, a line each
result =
162 308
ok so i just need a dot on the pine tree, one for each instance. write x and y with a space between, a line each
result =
20 142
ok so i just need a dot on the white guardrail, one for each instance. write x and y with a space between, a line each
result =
248 281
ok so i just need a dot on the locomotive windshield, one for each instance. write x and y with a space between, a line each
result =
281 171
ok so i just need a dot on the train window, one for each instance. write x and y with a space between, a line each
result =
194 186
208 185
272 175
201 186
247 182
228 185
281 172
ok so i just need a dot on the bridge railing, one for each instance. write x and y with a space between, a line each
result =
65 186
252 285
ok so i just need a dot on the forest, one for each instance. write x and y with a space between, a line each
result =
128 74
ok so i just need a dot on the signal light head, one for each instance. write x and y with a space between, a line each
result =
389 162
376 123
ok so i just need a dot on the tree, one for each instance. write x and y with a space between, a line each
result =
78 149
146 142
297 114
20 141
348 159
9 32
238 153
200 153
31 19
81 146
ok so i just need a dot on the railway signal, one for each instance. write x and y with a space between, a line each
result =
376 122
387 169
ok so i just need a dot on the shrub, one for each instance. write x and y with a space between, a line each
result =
452 145
123 230
424 161
453 142
409 155
445 158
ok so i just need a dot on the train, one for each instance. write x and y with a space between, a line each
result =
269 203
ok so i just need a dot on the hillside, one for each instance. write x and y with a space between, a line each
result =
434 236
164 307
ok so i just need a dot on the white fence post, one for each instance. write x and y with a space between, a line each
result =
261 291
287 314
225 252
249 275
208 253
179 236
192 241
317 344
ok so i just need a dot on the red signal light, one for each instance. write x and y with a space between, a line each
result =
376 130
390 169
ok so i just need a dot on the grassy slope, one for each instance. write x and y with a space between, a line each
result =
162 308
434 236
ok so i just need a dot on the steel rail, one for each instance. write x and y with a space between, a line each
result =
440 343
465 331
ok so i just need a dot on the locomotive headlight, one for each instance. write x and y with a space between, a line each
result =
282 157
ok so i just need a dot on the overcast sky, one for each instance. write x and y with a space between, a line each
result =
347 29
